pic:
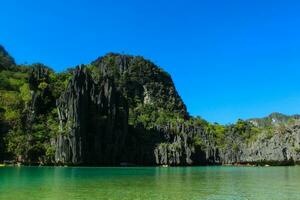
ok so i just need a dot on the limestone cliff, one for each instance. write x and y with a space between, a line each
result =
282 147
93 122
94 114
124 110
276 142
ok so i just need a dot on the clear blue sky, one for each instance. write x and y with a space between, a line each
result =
229 59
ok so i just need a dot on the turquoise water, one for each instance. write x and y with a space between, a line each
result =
214 183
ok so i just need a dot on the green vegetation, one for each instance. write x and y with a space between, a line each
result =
29 118
6 61
297 149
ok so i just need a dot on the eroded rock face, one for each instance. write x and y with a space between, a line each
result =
95 128
178 146
140 78
93 122
279 149
93 114
282 148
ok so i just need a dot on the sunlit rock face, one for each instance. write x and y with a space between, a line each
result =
280 149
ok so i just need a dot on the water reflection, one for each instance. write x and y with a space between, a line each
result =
278 183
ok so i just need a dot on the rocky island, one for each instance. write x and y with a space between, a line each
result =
124 110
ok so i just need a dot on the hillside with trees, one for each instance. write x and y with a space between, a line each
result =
124 110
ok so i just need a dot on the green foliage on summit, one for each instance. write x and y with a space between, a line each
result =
6 61
150 92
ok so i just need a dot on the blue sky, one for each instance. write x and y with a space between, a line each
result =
229 59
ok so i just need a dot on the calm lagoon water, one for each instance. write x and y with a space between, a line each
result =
213 183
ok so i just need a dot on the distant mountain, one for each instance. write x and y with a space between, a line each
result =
275 119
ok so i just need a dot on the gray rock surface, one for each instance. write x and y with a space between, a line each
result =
282 148
93 122
95 128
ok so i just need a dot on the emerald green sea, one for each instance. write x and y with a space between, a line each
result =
222 183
